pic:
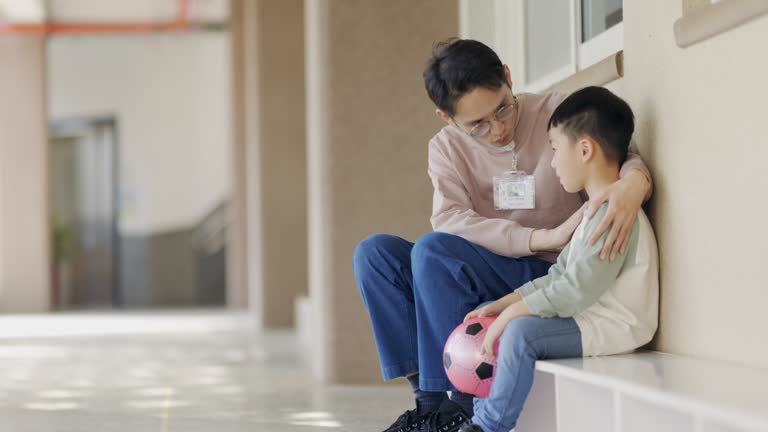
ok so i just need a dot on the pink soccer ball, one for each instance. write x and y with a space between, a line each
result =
468 368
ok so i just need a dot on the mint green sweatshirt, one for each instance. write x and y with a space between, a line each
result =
614 303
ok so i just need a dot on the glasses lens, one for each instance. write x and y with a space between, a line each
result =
505 112
481 129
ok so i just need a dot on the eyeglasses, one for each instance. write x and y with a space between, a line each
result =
504 113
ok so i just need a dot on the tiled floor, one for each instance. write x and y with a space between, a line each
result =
189 372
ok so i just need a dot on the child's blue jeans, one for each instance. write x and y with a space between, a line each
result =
524 341
416 295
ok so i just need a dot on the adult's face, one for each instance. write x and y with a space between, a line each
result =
489 115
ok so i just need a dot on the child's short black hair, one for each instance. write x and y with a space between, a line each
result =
458 66
600 114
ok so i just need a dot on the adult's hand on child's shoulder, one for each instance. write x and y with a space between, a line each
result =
625 199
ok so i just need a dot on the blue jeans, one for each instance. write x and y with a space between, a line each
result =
524 341
416 294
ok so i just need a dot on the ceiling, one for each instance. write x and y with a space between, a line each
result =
110 11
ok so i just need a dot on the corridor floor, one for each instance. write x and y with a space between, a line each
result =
192 371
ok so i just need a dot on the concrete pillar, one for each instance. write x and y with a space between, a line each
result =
369 122
275 157
24 217
237 232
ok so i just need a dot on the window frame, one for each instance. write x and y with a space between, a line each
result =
583 54
509 40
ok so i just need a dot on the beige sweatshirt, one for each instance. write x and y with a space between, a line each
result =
462 171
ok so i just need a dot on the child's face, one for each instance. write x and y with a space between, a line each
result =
567 161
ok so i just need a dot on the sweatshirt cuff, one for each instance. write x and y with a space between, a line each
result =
520 242
526 289
636 164
537 303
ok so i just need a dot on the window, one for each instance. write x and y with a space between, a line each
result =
564 37
602 30
598 16
546 41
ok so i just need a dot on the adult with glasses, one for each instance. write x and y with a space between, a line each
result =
500 218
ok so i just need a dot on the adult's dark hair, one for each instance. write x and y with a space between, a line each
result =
600 114
457 67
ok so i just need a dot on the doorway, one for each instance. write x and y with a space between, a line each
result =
84 177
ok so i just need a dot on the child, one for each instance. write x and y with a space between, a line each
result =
584 306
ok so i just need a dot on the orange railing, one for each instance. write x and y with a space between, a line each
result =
181 23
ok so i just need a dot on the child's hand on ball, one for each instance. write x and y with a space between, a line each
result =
515 310
494 331
494 308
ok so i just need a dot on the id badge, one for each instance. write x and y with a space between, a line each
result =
514 190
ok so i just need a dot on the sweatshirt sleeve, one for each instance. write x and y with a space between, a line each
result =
555 271
453 213
634 161
579 281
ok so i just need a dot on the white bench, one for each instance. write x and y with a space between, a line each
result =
645 391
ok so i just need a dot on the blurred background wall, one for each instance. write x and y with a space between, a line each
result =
169 95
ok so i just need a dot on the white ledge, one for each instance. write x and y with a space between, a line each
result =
706 390
711 20
609 69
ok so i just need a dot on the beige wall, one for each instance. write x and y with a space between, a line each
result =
701 128
274 123
24 225
369 123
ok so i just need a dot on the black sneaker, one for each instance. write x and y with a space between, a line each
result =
448 418
409 421
470 427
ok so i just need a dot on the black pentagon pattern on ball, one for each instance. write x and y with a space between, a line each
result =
484 371
474 329
447 360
